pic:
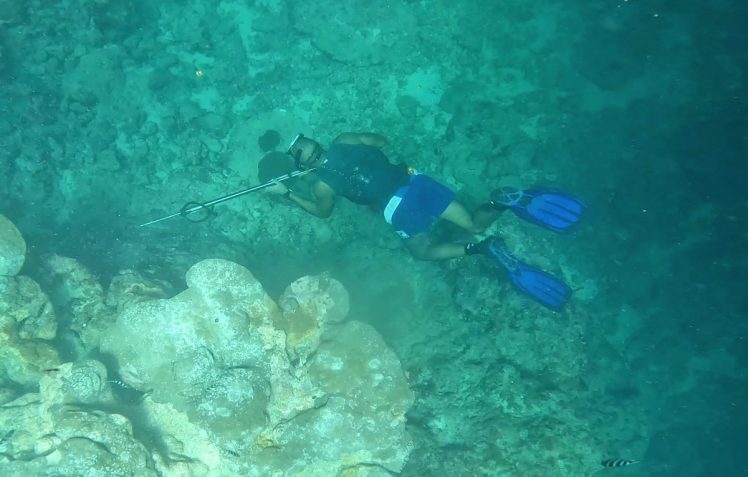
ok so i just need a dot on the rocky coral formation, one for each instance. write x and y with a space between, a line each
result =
27 318
12 248
80 298
220 356
130 286
53 429
310 305
23 301
216 381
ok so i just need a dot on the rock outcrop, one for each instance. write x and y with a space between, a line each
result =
236 383
27 319
56 429
12 248
218 380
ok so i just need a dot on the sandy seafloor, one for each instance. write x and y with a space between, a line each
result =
113 113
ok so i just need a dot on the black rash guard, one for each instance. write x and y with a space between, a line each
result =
362 174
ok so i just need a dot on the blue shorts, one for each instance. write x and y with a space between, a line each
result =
414 208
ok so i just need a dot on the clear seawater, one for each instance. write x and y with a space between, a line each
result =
113 113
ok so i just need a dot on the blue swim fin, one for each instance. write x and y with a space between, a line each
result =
552 209
539 285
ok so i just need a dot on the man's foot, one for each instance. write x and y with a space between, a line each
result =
504 197
482 247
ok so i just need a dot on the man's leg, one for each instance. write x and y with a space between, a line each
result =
474 223
422 248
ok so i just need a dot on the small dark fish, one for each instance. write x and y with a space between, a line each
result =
126 393
50 370
230 452
618 462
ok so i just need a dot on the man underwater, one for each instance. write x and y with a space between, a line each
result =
355 167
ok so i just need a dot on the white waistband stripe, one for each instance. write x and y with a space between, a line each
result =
392 205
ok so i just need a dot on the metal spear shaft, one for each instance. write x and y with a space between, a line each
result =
192 207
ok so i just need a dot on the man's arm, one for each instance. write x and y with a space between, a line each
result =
322 203
370 139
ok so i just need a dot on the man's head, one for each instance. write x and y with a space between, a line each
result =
305 152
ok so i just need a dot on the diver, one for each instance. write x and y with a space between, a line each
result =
356 167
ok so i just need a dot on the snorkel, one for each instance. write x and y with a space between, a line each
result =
297 155
314 157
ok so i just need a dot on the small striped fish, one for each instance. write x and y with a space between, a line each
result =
618 462
121 384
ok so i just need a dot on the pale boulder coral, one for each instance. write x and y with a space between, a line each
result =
226 395
12 248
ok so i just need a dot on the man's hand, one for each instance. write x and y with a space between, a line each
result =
277 188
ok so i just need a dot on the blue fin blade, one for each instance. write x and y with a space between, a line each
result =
537 284
541 286
549 208
553 209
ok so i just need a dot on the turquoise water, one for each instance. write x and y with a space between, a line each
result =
116 113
